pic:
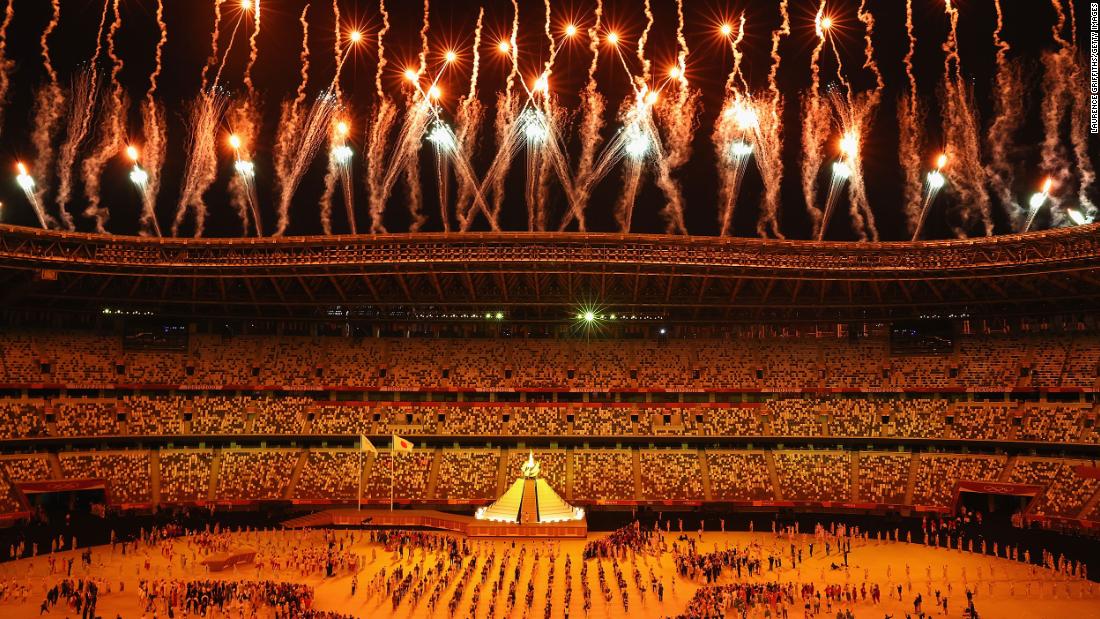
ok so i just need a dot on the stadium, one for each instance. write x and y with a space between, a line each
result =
716 382
326 309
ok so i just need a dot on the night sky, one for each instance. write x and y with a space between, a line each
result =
1028 30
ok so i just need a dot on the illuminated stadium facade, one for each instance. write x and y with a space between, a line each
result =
547 277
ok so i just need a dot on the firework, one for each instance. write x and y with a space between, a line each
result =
6 64
934 182
111 132
27 184
201 168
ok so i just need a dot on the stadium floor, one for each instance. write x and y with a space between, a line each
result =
1002 586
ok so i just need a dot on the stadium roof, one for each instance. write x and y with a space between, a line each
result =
533 276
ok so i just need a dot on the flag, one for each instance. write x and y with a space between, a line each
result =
366 445
402 446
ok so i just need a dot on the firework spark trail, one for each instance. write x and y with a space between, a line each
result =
727 130
291 115
213 59
860 111
112 132
736 74
49 103
244 122
468 123
6 64
306 143
910 132
1008 118
593 104
642 60
769 138
1062 70
327 194
415 125
678 115
505 127
154 131
385 115
228 49
962 135
253 48
732 153
814 118
83 95
201 168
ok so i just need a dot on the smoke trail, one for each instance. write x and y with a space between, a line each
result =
333 168
328 193
910 130
6 64
112 132
305 144
291 115
1008 118
213 59
468 122
870 64
769 143
83 95
49 104
154 126
201 168
548 67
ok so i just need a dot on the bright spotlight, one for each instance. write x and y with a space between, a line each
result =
26 183
499 316
613 38
246 5
726 30
450 56
589 316
342 129
740 149
570 30
936 180
504 47
1037 200
542 84
411 75
849 144
941 161
674 73
826 23
534 127
245 168
651 97
132 153
434 92
139 177
235 141
841 171
637 143
355 36
342 154
442 137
